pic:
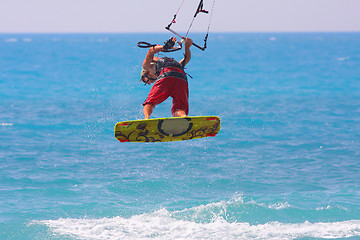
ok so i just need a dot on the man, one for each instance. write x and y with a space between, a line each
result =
169 80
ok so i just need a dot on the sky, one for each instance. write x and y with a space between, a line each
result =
117 16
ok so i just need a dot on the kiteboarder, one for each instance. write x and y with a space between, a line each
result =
169 79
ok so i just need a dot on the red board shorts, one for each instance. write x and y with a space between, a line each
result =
176 88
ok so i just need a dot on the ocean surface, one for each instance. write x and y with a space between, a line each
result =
285 165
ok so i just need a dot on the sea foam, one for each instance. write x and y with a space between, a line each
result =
186 224
159 225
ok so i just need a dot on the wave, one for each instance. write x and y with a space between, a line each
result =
6 124
208 221
160 225
343 58
11 40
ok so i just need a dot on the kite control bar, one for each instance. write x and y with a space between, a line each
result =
168 46
200 9
177 34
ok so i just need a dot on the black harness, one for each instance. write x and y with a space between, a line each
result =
166 62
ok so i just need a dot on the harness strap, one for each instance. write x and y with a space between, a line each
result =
172 72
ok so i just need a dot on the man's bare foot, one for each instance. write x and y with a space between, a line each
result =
180 113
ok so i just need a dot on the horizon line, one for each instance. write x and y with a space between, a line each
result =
199 32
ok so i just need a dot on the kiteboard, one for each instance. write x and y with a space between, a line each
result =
167 129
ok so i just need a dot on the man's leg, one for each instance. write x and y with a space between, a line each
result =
180 107
148 109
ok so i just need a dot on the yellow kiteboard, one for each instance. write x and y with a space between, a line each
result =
167 129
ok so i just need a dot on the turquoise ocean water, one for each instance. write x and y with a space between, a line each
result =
285 164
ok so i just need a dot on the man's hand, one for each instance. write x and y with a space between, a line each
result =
188 42
187 55
169 44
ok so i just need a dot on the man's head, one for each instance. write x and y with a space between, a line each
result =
146 77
